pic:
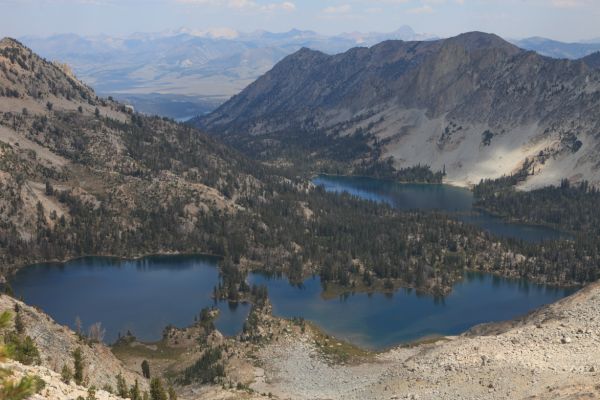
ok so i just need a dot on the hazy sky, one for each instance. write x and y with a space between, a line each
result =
558 19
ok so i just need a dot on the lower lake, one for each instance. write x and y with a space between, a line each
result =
142 296
456 201
146 295
378 321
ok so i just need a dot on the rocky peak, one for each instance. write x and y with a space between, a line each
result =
304 56
363 77
473 41
10 42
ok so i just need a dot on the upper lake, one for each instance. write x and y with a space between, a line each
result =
453 200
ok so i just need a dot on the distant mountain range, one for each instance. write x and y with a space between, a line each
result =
556 49
473 105
188 72
198 70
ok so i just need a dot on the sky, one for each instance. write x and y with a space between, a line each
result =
566 20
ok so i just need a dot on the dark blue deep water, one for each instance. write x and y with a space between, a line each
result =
146 295
453 200
143 296
377 320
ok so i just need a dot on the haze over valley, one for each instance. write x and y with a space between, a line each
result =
157 72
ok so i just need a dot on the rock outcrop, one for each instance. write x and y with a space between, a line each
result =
56 344
54 387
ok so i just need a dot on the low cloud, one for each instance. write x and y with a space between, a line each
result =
341 9
243 4
424 9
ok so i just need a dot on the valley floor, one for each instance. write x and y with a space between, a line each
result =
553 353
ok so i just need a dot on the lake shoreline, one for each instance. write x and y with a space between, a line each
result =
453 184
107 286
10 270
316 175
337 185
517 221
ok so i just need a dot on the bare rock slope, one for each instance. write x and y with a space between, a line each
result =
54 388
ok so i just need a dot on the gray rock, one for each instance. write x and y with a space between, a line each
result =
566 340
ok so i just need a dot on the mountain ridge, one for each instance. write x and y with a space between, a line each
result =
156 72
593 60
432 103
385 53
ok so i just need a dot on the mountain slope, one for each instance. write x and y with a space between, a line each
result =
83 175
593 60
56 344
474 105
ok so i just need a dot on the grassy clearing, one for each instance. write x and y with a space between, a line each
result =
431 339
337 351
158 350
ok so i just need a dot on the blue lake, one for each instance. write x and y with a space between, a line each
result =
378 321
456 201
146 295
143 296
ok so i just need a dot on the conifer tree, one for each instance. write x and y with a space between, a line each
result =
172 393
157 391
146 369
134 392
78 366
121 386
